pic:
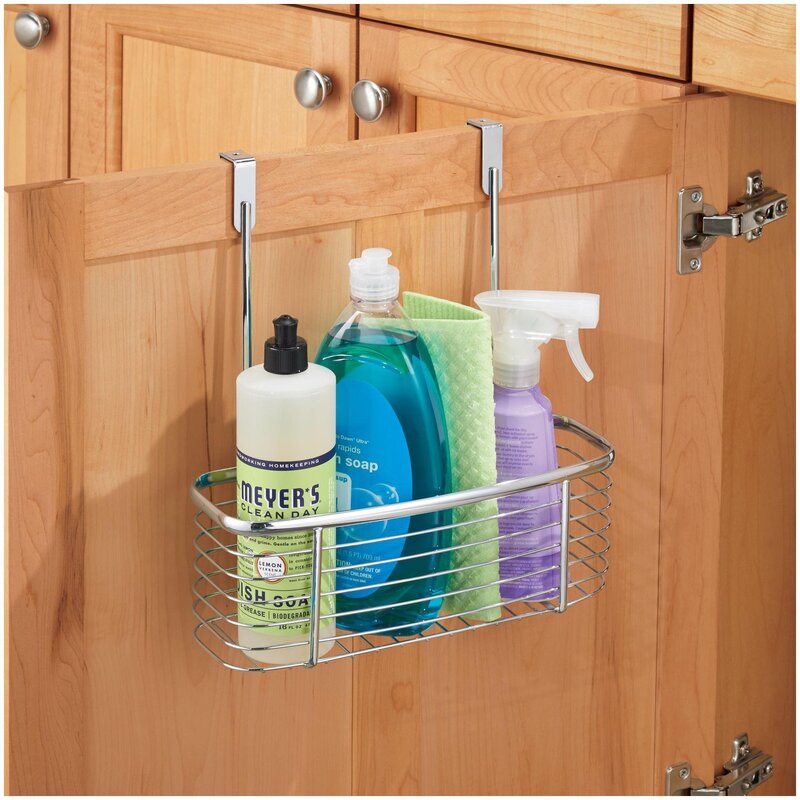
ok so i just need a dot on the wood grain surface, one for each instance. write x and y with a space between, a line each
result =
46 728
462 715
691 463
645 38
36 108
341 183
756 668
424 68
126 344
155 698
179 104
746 48
278 38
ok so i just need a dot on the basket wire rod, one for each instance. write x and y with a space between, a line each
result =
395 537
562 588
545 606
387 606
220 547
220 570
410 507
208 554
208 531
316 594
205 599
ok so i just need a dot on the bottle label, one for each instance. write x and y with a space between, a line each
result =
373 468
524 449
276 579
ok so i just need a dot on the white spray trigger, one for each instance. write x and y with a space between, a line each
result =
575 352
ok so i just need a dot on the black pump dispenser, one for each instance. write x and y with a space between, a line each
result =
285 353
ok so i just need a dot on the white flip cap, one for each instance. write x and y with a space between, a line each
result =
372 277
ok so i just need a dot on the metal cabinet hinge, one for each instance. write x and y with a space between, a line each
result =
699 224
747 769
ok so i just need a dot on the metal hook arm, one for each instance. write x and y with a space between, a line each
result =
492 183
244 218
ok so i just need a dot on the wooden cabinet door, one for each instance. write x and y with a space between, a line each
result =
123 347
159 85
645 38
746 48
437 81
37 99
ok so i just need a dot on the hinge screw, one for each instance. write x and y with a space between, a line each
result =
746 786
768 769
694 264
684 773
758 185
756 233
782 207
697 197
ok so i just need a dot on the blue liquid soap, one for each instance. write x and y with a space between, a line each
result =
391 447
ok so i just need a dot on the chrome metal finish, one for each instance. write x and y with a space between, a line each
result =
747 769
316 590
699 224
563 578
311 88
692 242
584 512
369 100
244 185
492 184
244 218
30 29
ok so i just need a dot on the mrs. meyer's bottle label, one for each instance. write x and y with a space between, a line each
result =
268 491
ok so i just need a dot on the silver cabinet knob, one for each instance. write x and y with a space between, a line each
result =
311 88
30 29
369 100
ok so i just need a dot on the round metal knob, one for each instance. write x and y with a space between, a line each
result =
311 88
30 29
369 100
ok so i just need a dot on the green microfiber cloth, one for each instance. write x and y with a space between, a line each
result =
459 340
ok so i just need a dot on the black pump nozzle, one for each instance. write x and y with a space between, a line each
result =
285 353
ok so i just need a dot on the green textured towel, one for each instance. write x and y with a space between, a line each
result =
459 340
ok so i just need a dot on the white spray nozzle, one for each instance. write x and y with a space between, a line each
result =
372 277
522 321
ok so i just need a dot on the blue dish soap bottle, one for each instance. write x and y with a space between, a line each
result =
391 447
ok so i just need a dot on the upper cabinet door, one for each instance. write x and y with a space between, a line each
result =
435 81
159 85
37 98
746 48
646 38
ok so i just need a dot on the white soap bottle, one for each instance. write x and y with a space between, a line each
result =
285 469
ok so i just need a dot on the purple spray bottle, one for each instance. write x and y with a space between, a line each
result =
522 322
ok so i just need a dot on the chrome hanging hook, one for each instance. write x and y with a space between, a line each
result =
492 184
244 219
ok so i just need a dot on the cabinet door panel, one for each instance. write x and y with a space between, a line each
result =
424 71
564 704
646 38
486 714
37 100
158 85
167 90
746 48
161 716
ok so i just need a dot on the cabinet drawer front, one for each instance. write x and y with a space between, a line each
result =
646 38
748 49
436 81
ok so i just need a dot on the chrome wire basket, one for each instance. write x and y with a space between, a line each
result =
476 569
